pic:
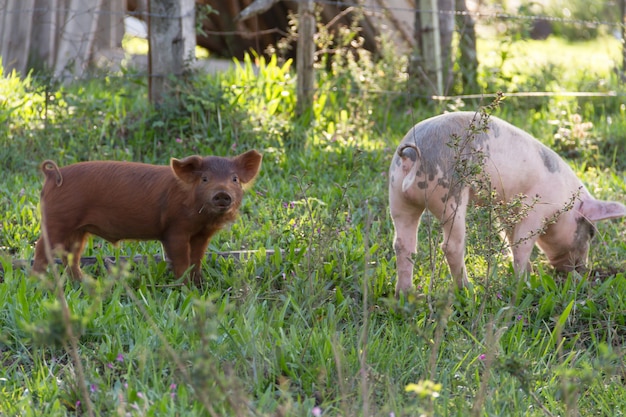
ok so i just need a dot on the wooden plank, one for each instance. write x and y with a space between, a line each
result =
238 255
395 18
110 26
188 24
17 19
77 36
45 34
255 8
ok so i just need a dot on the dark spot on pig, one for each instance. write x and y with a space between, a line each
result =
392 179
584 232
431 177
550 159
422 185
396 160
495 129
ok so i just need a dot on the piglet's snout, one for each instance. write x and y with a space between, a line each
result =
222 200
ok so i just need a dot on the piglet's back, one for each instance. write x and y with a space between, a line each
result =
114 200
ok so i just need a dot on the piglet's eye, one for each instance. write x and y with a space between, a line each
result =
235 178
205 178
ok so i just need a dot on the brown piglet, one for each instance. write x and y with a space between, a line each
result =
181 205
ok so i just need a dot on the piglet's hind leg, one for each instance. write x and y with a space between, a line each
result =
41 259
76 244
454 243
406 222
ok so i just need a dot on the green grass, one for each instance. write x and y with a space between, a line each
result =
553 66
597 58
315 323
139 46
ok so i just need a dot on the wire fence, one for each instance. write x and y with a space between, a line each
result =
367 8
104 27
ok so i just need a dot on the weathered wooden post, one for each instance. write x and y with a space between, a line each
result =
172 43
45 39
468 59
431 67
15 33
110 28
77 38
305 56
622 8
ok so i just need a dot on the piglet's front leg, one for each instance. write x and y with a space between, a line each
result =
178 251
198 245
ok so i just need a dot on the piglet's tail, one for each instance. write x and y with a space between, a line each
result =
51 170
409 154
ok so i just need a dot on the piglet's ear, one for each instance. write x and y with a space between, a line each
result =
596 210
187 169
248 165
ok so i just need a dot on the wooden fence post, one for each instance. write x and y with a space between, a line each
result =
468 59
426 65
15 33
110 28
172 43
305 56
622 8
436 44
77 38
45 38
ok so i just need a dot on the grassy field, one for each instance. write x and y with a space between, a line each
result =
312 328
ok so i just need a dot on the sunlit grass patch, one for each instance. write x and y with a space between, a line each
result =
563 64
135 45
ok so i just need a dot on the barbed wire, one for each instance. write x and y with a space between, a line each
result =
478 15
530 94
473 14
93 10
